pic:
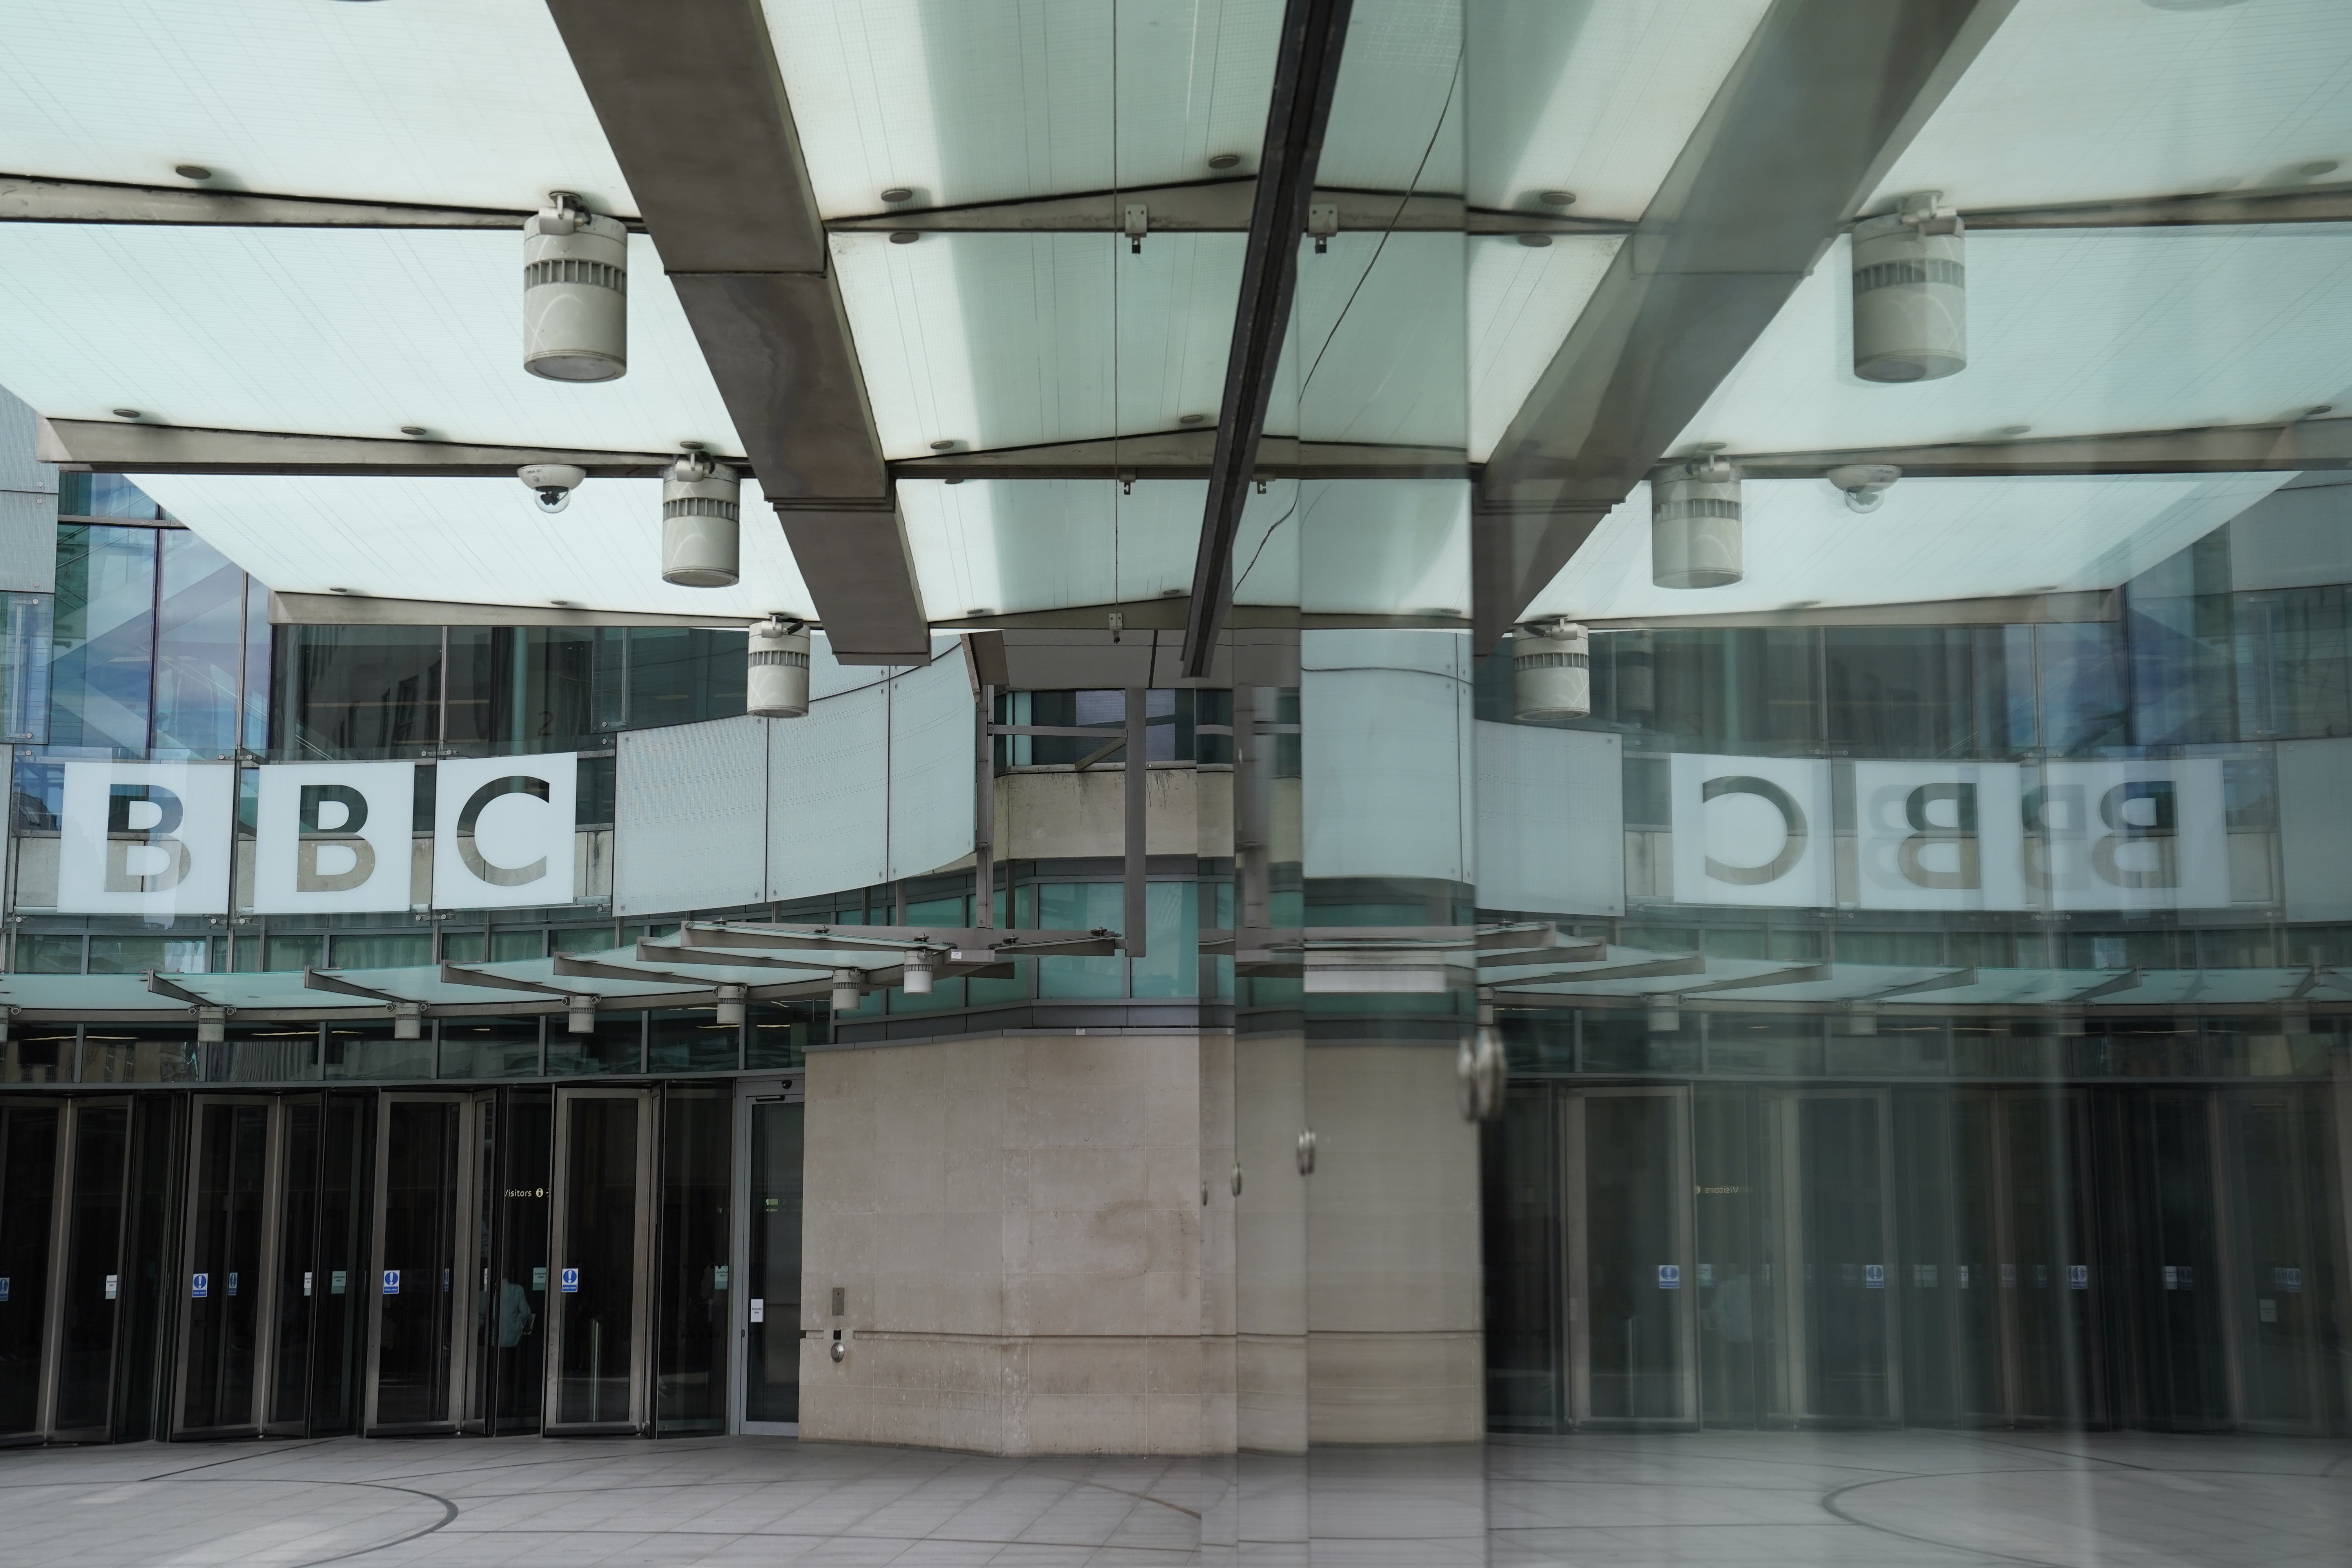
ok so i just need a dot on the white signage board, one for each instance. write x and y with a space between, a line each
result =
332 837
1942 836
502 833
146 839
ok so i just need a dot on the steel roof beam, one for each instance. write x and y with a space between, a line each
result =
1305 79
1823 99
2275 447
129 446
690 98
1189 454
1216 206
33 198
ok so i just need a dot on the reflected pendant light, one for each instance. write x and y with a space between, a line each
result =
1695 529
776 679
1910 294
575 293
701 524
1551 670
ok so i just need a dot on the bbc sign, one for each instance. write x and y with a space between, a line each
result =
1786 832
158 840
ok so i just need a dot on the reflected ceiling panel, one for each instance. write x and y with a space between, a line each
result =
475 540
1930 538
2086 100
1013 340
1384 357
2070 332
959 101
451 102
1396 116
1013 546
1521 302
1385 547
1593 96
340 333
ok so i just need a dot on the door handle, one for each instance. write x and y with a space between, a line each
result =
1306 1152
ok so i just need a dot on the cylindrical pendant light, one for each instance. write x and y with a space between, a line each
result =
1910 294
1694 528
776 681
701 524
575 293
1551 670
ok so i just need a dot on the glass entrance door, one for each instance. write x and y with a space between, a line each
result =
600 1302
426 1261
1633 1354
1830 1162
29 1136
770 1245
245 1267
89 1286
2289 1346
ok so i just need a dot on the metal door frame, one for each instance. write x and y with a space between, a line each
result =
2239 1284
791 1089
1785 1163
53 1324
640 1416
273 1214
1577 1263
52 1303
467 1202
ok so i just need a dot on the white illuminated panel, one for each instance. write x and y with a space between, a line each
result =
690 816
1595 99
338 332
1382 364
2070 332
453 102
933 757
1521 302
1551 820
1397 112
471 541
2074 100
1011 339
992 100
828 808
1930 539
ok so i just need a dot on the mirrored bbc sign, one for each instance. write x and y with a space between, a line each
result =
1799 832
160 838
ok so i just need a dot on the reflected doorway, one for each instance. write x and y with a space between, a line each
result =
771 1135
1632 1352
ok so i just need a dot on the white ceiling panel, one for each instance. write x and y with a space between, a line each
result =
471 542
1594 97
986 100
1521 303
2076 100
341 332
1383 350
457 102
2070 332
1397 115
1011 340
1930 539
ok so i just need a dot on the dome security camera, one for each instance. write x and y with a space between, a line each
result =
1865 484
554 482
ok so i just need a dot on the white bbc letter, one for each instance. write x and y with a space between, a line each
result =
2128 836
502 831
1752 830
333 837
146 839
1937 835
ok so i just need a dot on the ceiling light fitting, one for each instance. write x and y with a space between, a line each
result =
1557 198
552 482
1535 241
701 524
192 171
1551 670
898 194
905 237
412 429
776 682
1220 161
1865 484
1694 525
1910 292
575 293
126 414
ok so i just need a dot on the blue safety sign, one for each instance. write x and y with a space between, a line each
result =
3 1286
200 1286
392 1281
1874 1275
1670 1276
2078 1276
570 1280
232 1284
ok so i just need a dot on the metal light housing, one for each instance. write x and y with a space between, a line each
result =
575 293
1911 292
701 524
1694 525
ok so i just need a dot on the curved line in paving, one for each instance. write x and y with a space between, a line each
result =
448 1508
1830 1505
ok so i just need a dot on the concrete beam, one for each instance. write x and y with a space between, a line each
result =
1216 206
106 446
2314 442
1826 95
1189 454
2001 610
30 198
691 100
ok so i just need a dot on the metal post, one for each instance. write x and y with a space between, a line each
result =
984 820
1136 863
